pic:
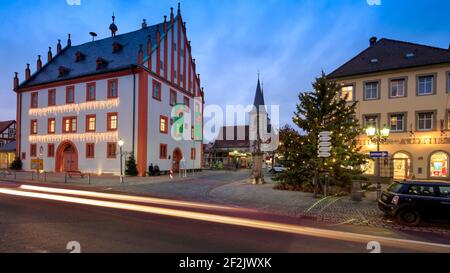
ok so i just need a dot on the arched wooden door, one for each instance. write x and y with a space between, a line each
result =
67 157
176 158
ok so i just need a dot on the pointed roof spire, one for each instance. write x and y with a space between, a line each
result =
259 97
179 8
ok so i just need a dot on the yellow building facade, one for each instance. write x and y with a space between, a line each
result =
406 88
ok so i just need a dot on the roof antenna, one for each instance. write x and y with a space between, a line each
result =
93 34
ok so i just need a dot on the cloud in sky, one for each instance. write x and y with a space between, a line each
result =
288 41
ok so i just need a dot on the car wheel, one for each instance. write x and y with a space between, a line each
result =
408 217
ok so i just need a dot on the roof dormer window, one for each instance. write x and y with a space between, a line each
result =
116 47
79 56
101 63
409 55
374 60
62 71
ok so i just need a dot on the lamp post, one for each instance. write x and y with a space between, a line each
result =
121 143
378 136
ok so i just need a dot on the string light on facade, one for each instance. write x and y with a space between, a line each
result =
84 137
77 108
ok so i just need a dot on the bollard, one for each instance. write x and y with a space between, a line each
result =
32 176
45 176
37 175
65 178
89 178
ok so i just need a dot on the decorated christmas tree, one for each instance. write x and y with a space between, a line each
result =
324 110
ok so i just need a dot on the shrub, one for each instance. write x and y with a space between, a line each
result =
16 164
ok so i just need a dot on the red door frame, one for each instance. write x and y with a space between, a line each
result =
176 160
59 162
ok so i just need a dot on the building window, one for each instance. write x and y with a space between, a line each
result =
397 122
113 89
163 125
51 126
369 167
90 91
162 151
371 121
156 90
33 150
33 127
174 46
91 123
448 120
186 102
111 149
439 164
425 85
69 125
173 97
193 153
51 97
112 121
347 93
51 150
371 90
24 155
34 100
425 121
448 82
397 88
161 65
70 94
90 150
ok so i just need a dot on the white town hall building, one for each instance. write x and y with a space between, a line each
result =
75 108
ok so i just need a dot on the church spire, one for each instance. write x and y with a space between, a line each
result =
259 96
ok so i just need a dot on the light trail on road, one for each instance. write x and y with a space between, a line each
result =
243 222
140 199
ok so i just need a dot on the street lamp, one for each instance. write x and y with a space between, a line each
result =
121 143
378 136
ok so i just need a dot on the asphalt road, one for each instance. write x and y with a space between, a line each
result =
29 224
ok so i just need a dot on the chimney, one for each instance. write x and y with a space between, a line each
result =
49 54
16 80
28 72
144 23
39 63
140 55
69 41
373 40
58 47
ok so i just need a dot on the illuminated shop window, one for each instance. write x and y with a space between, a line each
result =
439 165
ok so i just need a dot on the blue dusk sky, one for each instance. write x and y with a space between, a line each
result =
288 41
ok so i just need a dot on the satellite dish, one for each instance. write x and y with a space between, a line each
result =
93 34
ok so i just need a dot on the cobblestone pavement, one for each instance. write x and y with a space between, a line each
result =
331 210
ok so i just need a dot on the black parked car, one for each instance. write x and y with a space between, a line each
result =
411 202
